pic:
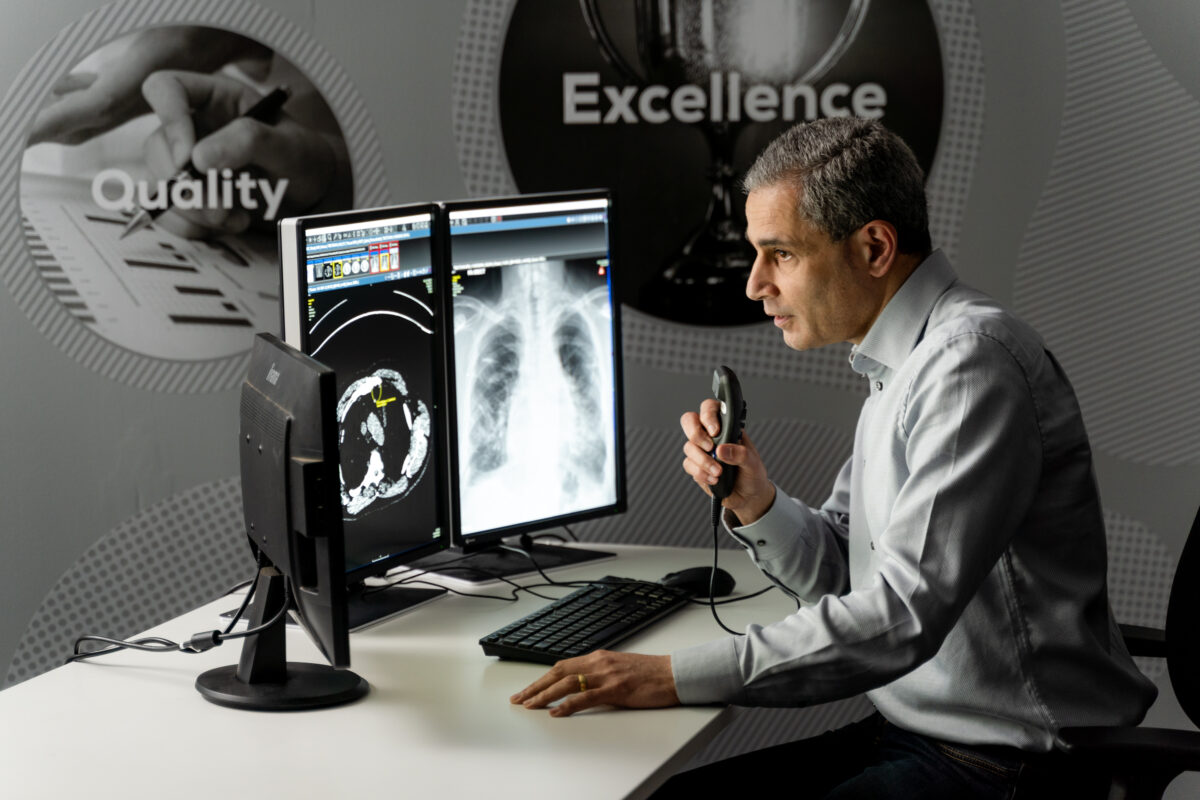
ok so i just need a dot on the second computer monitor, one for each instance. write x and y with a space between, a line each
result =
535 349
360 295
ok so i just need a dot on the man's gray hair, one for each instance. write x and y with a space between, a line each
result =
848 172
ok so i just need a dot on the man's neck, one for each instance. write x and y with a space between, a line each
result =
902 267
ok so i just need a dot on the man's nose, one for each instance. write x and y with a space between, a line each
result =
757 285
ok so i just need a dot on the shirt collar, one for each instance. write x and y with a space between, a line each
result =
899 326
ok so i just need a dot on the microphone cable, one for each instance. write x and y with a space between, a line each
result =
712 576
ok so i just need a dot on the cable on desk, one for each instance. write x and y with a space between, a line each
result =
524 548
704 601
416 578
552 536
710 601
412 573
199 643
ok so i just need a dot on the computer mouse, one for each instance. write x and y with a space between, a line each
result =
696 580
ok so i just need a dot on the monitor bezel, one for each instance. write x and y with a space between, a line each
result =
294 294
489 538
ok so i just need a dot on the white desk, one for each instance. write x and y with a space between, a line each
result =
437 722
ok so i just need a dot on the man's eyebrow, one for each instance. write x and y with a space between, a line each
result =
772 242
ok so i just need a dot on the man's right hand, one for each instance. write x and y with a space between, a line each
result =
753 493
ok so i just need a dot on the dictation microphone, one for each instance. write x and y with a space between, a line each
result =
733 419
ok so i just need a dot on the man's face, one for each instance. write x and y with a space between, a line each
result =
818 291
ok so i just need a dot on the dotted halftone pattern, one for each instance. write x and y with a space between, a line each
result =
168 559
665 506
24 98
953 169
755 350
1140 571
474 90
1106 270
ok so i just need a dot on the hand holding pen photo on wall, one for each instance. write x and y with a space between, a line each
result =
226 158
190 185
155 168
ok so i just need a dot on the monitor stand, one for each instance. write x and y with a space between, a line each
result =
263 679
370 605
502 561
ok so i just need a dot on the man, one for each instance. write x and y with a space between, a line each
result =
957 571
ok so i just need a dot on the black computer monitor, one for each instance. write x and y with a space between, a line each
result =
291 503
360 294
534 357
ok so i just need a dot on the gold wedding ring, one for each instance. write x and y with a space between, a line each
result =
582 682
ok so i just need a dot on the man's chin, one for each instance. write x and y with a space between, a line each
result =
797 341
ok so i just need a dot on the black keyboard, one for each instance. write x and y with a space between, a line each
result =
595 617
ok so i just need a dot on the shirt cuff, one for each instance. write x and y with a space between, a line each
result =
707 673
774 532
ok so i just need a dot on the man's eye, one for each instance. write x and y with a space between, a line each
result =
782 255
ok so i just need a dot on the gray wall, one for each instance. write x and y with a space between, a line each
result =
1064 185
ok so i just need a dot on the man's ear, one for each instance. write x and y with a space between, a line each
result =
876 245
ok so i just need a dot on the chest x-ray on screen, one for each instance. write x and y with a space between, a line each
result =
533 367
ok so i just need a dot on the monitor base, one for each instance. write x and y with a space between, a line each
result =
263 679
501 561
305 686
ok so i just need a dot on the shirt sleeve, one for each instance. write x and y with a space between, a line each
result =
971 448
802 549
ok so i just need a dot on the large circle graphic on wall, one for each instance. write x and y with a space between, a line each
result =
667 103
208 131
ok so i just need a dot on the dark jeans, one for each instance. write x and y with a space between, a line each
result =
874 759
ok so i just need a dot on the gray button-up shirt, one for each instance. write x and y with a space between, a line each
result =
957 571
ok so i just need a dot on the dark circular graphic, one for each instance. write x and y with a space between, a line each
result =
667 104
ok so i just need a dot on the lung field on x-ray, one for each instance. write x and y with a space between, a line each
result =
497 369
584 447
533 367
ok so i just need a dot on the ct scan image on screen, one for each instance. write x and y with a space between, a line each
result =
370 316
533 364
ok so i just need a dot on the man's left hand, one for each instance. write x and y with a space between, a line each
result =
628 680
